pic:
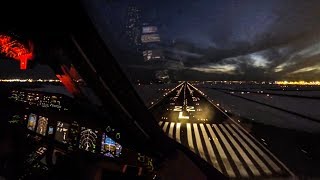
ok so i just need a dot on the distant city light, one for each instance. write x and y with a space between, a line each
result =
265 82
304 83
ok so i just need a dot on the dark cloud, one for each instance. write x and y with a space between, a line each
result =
256 40
221 39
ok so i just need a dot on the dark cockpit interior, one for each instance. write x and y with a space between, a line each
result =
104 131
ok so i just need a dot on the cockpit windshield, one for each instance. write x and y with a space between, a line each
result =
139 88
235 82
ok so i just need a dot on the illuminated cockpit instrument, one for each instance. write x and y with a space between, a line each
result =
42 125
32 121
109 147
88 139
74 132
62 132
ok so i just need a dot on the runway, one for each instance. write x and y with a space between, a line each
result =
186 116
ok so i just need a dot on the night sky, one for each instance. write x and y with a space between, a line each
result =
213 40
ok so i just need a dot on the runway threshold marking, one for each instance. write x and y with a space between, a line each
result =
233 155
198 141
266 157
171 130
178 132
189 136
221 152
250 151
165 126
212 156
248 161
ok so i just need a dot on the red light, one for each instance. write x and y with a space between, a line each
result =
16 50
68 83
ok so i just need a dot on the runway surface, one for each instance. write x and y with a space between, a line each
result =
186 116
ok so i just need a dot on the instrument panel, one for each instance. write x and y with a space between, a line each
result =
62 132
109 147
88 139
32 122
51 139
42 125
76 136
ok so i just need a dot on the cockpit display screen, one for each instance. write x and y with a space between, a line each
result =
109 147
32 121
62 132
50 131
42 125
88 139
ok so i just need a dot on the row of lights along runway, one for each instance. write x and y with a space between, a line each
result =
225 145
